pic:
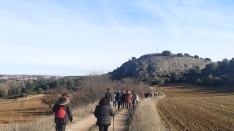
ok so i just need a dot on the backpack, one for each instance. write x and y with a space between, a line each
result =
128 99
61 113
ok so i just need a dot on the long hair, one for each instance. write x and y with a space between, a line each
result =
104 101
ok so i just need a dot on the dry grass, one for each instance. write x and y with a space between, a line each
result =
146 117
31 116
193 108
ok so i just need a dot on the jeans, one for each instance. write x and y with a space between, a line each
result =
103 128
60 126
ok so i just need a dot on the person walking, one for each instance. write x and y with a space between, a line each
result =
63 112
128 100
123 97
102 112
108 95
118 98
134 97
113 99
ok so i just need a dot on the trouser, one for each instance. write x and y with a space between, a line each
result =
122 103
118 104
114 104
60 126
103 128
129 105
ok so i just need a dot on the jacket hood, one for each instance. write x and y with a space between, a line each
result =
63 100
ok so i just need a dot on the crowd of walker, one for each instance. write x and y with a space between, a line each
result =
119 99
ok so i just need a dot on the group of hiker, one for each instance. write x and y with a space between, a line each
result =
150 94
103 111
124 98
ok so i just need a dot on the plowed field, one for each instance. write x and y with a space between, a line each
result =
195 109
22 110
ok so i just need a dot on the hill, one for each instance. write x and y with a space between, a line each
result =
151 67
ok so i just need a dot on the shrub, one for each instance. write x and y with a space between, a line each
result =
208 79
133 58
207 59
217 81
166 53
196 56
179 54
186 54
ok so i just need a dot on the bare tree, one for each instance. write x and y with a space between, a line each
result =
49 99
91 88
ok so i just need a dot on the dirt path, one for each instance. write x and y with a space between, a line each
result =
88 123
121 121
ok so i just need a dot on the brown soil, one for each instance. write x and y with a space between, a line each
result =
193 108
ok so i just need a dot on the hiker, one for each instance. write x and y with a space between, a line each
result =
63 112
118 98
108 95
134 97
113 99
146 94
123 97
137 99
128 100
102 112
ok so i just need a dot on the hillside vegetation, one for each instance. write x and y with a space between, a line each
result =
161 68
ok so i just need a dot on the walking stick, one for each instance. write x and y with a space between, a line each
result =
113 124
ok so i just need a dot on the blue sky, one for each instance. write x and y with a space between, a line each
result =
57 37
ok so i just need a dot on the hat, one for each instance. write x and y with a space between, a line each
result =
62 99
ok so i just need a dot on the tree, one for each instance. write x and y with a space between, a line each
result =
207 59
91 89
186 54
196 56
211 67
179 54
49 99
39 91
208 79
133 58
2 93
224 64
216 81
166 53
231 63
173 77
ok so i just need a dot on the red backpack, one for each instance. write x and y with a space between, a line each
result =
61 113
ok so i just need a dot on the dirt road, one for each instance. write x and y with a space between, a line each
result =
88 123
121 120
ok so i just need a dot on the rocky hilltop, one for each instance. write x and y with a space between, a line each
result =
158 65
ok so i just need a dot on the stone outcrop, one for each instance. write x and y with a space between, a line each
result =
155 65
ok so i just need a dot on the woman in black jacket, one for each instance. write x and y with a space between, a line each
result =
103 112
63 102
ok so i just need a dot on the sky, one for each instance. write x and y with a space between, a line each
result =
79 37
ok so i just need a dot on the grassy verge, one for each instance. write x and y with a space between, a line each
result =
146 117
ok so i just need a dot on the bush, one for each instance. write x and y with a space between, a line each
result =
207 59
166 53
179 54
217 81
133 58
196 56
186 54
209 79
